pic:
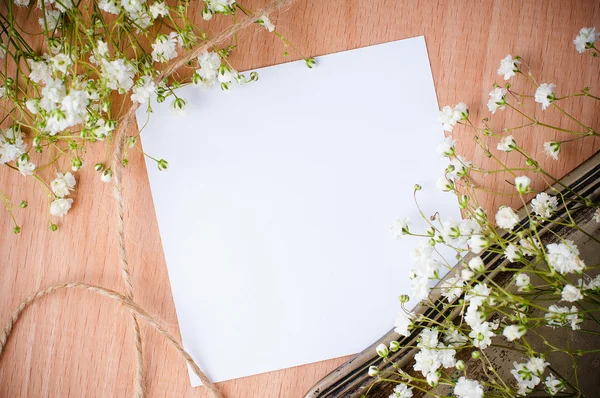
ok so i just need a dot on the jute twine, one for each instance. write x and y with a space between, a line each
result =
118 168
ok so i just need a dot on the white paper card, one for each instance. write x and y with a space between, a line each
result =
275 211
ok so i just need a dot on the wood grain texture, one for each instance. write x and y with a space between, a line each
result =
73 344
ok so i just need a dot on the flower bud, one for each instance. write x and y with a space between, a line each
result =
53 227
475 355
17 229
23 204
106 175
206 14
522 184
460 365
463 201
76 163
253 76
373 371
382 351
394 346
131 141
310 62
476 264
162 164
99 167
404 298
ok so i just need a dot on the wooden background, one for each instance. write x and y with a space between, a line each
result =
74 344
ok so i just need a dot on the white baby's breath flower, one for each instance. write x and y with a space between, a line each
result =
159 9
544 205
451 288
537 366
497 99
402 391
512 253
266 22
552 149
508 67
461 166
564 257
478 294
466 274
482 334
476 264
506 144
118 74
446 117
522 184
11 145
466 388
209 68
142 19
554 385
52 20
101 48
523 281
22 3
40 71
446 146
585 39
220 6
444 184
403 323
400 227
526 380
514 332
562 316
477 243
63 184
132 6
571 293
143 90
545 94
26 168
164 47
506 218
60 207
453 338
109 6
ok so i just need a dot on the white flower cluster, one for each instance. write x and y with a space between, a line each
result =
528 374
449 116
433 355
13 149
488 312
586 39
62 186
564 257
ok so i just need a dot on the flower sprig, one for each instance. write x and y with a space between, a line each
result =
98 59
550 284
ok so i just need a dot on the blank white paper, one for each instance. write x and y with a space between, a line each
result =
275 211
